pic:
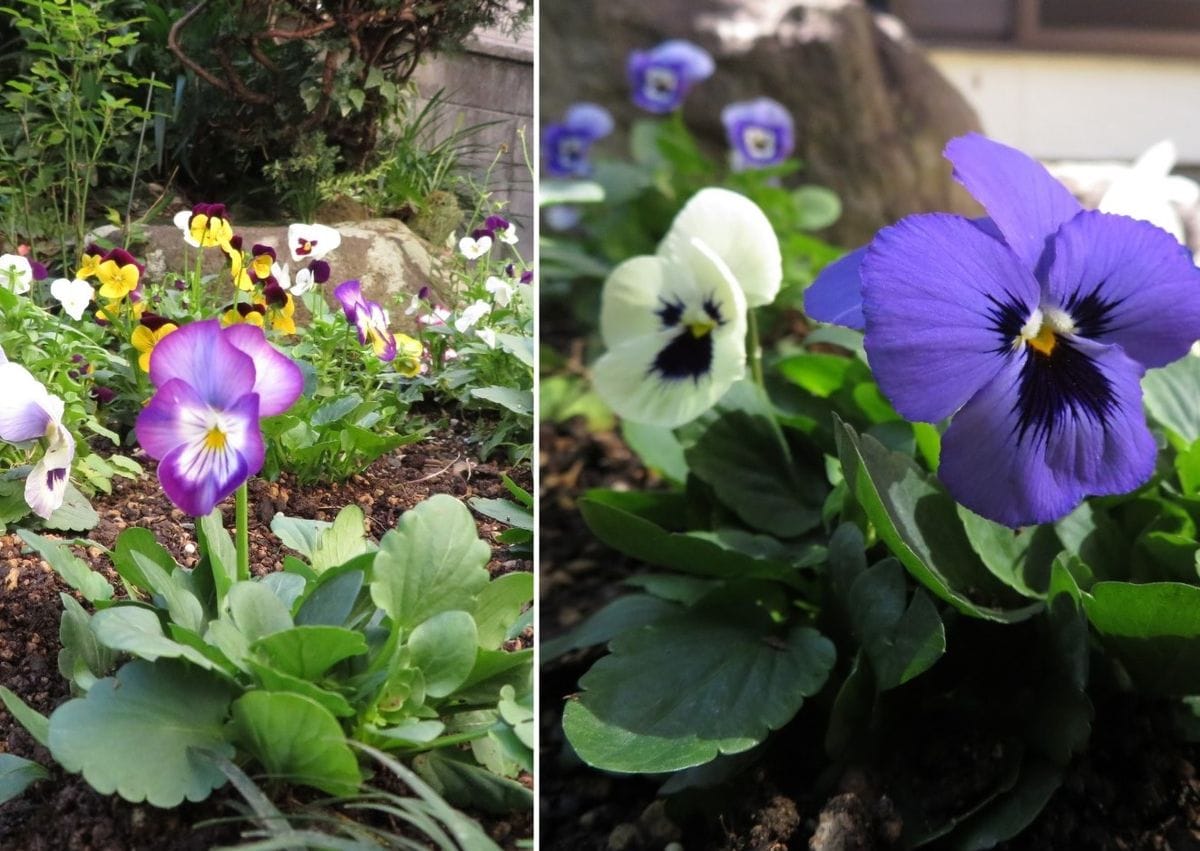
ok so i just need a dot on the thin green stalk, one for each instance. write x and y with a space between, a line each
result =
754 348
243 532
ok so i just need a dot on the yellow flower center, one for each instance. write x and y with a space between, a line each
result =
699 329
215 439
1045 341
1042 330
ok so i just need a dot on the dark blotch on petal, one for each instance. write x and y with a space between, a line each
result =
670 313
687 356
713 310
53 477
1064 383
1092 313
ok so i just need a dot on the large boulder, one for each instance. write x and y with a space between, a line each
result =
872 114
390 260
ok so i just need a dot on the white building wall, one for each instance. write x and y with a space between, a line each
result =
1079 106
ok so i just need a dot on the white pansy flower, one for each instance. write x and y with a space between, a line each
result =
674 323
471 314
509 235
500 289
74 296
16 273
311 242
1148 191
472 248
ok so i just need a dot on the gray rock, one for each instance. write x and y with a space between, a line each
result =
390 260
872 114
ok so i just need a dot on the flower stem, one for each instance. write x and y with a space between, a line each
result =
754 348
243 532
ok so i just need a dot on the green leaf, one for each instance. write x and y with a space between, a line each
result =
919 523
298 533
902 641
75 514
296 739
16 775
553 192
131 733
257 611
517 401
433 561
342 541
34 722
713 679
273 680
335 410
333 598
499 604
624 614
73 570
465 784
816 207
1154 629
504 510
1021 559
1171 393
1011 812
609 520
182 605
139 540
217 547
138 631
443 648
83 659
659 449
746 461
307 652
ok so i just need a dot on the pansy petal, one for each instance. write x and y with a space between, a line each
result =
738 232
1018 476
589 119
627 381
1127 282
932 288
26 407
197 474
1026 203
278 381
199 355
692 60
633 295
836 295
46 484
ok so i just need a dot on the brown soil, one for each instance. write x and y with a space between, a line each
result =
63 812
1134 789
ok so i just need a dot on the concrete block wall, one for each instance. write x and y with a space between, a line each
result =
492 80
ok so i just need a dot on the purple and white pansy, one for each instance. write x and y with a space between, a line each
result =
1031 328
202 424
760 133
28 411
311 242
565 144
369 319
661 77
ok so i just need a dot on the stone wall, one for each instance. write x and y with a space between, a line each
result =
492 80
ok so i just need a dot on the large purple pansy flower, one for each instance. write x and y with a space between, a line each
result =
661 77
202 425
565 145
760 133
1032 328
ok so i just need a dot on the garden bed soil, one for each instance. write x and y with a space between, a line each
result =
1134 789
63 813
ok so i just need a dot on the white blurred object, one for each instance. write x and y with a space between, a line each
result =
1147 190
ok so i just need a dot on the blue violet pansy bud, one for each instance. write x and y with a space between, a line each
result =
661 77
1031 328
760 133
